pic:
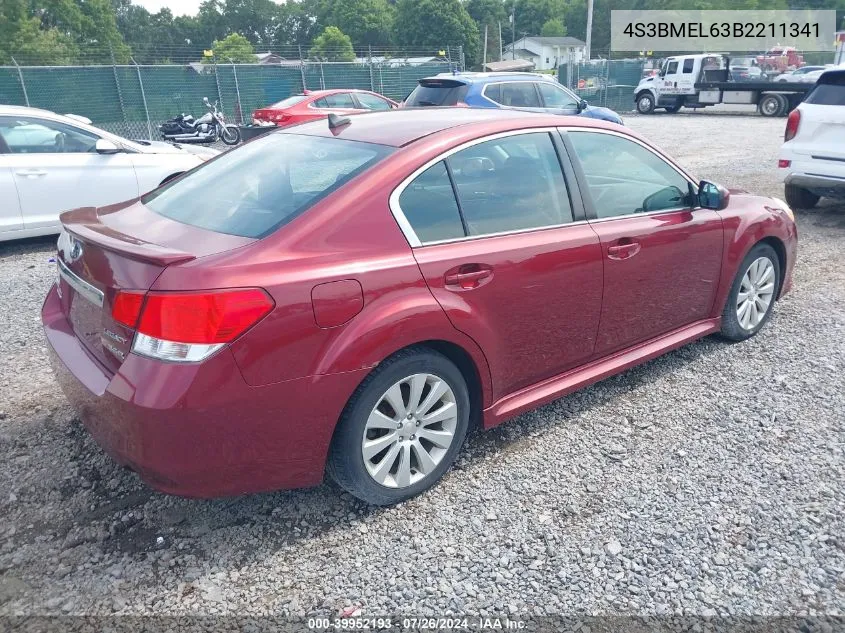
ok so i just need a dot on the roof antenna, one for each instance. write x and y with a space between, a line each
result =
336 121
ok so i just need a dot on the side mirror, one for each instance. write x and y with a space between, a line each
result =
104 146
582 105
205 100
712 196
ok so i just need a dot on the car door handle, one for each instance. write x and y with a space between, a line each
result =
31 173
624 248
467 276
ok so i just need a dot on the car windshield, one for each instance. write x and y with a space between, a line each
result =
255 189
286 103
437 92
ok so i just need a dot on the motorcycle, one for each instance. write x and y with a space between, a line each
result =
208 128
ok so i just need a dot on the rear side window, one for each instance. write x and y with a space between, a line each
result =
437 92
831 92
341 100
253 190
520 94
428 203
688 64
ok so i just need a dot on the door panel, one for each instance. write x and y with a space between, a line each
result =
661 272
49 184
535 309
10 209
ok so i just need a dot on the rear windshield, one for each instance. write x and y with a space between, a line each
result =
285 103
255 189
437 92
830 90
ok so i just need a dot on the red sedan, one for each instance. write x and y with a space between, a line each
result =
361 291
316 104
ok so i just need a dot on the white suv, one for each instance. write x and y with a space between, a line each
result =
813 155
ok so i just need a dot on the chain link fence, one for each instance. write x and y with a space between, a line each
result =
133 99
605 82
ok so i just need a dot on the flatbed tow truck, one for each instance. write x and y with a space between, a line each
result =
698 81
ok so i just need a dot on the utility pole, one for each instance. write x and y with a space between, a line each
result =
501 54
513 31
589 27
484 63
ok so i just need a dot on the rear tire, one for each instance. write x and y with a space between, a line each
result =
800 198
398 393
645 103
753 294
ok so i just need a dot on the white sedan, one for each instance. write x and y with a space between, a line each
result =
50 163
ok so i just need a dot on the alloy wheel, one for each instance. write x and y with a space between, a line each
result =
756 292
410 430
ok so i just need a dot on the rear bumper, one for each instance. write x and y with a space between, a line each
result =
829 186
199 430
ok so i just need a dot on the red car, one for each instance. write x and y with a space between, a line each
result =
316 104
362 291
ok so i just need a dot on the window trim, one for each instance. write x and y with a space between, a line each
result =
583 185
408 230
533 84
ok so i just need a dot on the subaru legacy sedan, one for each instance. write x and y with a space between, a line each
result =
364 290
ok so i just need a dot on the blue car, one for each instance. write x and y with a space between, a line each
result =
523 91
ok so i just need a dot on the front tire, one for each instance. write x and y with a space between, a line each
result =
645 103
230 135
800 198
752 295
402 428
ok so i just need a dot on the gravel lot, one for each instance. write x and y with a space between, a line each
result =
710 481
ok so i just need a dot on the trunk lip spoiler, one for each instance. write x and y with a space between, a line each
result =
85 224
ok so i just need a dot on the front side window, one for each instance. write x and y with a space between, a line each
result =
372 102
39 136
519 94
624 177
556 97
253 190
673 68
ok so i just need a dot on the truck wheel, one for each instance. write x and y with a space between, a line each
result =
645 103
800 198
771 105
672 109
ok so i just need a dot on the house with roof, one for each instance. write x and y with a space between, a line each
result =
546 52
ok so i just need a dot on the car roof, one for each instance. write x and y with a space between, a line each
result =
18 109
481 78
399 128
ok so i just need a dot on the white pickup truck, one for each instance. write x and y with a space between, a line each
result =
697 81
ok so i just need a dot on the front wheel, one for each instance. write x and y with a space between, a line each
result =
402 429
645 103
800 198
230 134
752 295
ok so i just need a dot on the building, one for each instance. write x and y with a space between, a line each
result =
546 52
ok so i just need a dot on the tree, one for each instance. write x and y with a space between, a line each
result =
553 28
234 48
333 45
257 20
531 15
489 13
436 24
367 22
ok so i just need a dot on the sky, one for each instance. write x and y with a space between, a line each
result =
177 7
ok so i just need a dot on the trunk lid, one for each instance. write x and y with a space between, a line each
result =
120 248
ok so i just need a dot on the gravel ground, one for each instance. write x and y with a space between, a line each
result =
710 481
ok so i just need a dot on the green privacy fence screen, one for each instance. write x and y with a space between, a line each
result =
608 83
132 100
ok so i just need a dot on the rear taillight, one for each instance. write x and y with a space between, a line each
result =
783 163
189 327
792 125
126 308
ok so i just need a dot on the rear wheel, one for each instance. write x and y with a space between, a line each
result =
800 198
752 295
773 105
672 109
402 429
645 103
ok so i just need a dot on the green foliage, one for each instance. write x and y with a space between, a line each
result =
234 48
333 45
436 23
367 22
553 28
